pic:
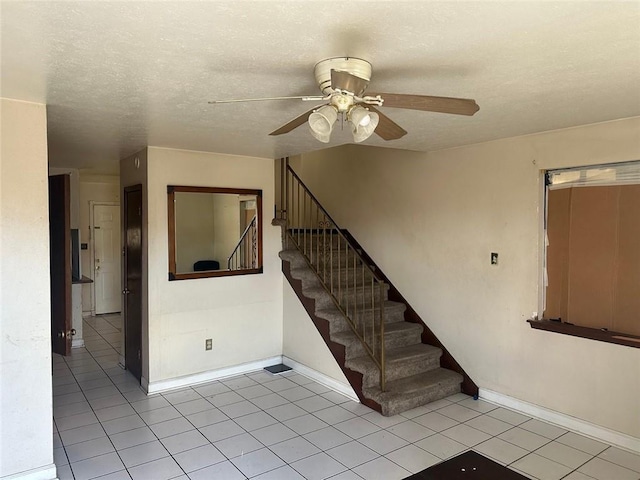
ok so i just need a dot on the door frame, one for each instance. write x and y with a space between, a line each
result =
92 249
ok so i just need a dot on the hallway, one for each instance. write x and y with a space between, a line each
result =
285 427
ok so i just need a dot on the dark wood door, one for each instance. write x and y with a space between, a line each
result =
133 279
60 263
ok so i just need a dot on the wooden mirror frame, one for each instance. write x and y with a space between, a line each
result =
171 191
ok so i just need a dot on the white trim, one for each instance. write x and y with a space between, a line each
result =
596 432
189 380
325 380
92 250
77 343
47 472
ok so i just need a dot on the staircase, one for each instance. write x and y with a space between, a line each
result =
348 300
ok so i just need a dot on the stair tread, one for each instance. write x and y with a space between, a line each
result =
416 383
398 355
391 329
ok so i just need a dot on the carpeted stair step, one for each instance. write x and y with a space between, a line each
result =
396 335
401 362
393 312
343 277
415 390
361 296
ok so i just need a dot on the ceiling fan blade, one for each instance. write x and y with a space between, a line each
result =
457 106
387 129
347 82
295 123
304 98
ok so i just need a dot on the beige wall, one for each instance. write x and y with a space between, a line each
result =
243 314
25 329
431 220
93 188
301 340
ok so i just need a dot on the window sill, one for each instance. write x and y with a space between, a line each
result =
585 332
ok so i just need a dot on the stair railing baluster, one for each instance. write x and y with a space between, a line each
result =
347 298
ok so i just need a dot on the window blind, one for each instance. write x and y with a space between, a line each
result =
599 175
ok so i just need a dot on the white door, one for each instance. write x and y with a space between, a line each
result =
106 229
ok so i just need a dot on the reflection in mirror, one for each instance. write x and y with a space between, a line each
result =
214 232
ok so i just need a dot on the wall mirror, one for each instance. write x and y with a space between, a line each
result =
214 232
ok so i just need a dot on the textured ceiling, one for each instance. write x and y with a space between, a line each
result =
117 76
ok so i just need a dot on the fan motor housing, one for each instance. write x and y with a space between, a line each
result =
354 66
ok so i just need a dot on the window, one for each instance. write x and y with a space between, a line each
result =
593 247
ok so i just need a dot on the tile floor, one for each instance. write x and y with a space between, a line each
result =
286 427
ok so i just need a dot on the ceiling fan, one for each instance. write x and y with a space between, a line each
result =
343 81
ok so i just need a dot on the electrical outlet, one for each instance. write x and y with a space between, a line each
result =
208 344
494 258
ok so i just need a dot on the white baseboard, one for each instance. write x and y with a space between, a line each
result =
189 380
77 343
47 472
325 380
574 424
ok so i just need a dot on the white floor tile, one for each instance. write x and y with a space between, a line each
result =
150 403
435 421
158 415
123 424
411 431
238 445
313 404
478 405
211 389
223 470
221 430
193 406
383 442
282 473
109 401
542 428
318 467
382 421
441 446
226 398
199 457
75 421
64 472
208 417
280 385
327 438
161 469
563 454
121 475
144 453
524 439
182 396
356 407
352 454
508 416
171 427
540 467
131 438
254 421
239 409
257 462
489 425
273 434
294 449
500 451
582 443
60 457
335 414
82 434
269 401
357 427
458 412
296 393
577 476
237 383
603 470
286 412
184 441
623 458
97 466
254 391
381 469
412 458
111 413
305 424
92 448
466 435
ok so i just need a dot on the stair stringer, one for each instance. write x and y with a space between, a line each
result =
354 378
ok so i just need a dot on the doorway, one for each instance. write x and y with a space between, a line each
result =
133 279
105 224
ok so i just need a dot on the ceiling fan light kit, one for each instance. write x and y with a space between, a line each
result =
343 81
